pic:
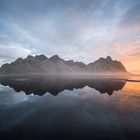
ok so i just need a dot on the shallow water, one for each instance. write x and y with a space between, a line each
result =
69 108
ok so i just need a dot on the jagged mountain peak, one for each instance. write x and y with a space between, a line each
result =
108 58
56 65
41 57
55 58
30 57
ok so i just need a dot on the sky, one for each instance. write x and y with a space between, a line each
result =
82 30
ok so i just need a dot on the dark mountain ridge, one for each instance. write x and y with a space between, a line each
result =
40 64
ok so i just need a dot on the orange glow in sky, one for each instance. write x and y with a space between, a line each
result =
132 65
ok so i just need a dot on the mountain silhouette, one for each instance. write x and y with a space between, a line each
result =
40 64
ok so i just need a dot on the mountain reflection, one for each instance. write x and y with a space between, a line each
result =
42 85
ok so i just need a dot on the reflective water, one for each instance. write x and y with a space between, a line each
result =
69 108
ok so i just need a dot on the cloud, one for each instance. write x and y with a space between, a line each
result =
83 30
10 52
131 18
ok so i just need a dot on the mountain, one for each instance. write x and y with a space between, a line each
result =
40 64
106 65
